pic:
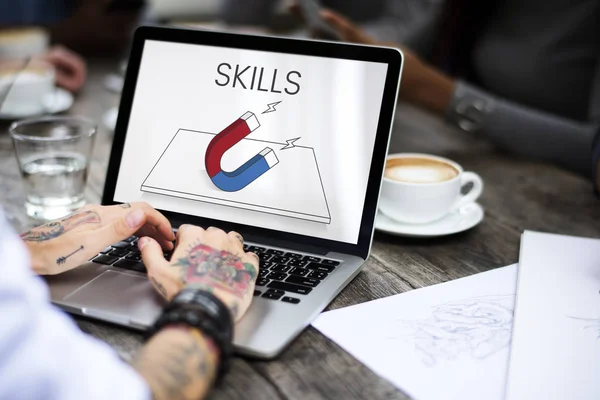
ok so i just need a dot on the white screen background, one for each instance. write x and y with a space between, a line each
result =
335 112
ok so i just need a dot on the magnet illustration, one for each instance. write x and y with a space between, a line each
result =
247 173
294 189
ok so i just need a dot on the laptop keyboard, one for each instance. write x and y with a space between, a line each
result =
283 276
124 255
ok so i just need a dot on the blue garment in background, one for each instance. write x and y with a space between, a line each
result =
34 12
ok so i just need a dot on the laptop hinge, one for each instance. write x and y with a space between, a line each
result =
305 248
267 241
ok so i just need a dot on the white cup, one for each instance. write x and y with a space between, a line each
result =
421 188
25 90
23 42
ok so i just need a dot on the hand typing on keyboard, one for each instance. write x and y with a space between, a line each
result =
64 244
208 259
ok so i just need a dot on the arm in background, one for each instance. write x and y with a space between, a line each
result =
532 133
522 130
411 22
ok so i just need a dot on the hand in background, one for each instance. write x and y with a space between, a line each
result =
421 83
351 33
64 244
70 68
209 260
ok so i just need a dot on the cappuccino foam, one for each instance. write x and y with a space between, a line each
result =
419 170
22 34
27 76
23 42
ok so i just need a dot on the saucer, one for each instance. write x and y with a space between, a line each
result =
109 119
114 82
58 101
457 221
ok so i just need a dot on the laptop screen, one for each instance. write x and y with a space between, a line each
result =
271 140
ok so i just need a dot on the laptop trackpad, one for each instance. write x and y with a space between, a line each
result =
118 297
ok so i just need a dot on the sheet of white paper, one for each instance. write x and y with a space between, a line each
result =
441 342
556 339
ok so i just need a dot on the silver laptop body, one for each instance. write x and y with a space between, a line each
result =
123 296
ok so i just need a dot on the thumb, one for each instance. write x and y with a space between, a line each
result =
152 255
164 278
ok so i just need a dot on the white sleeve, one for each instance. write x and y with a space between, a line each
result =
43 354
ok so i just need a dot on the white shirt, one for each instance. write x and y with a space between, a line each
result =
43 354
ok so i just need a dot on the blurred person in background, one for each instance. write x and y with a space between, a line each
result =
74 27
524 75
207 285
70 67
406 21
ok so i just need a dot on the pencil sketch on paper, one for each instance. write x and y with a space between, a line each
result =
590 323
475 327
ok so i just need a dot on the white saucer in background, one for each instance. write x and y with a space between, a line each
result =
114 82
457 221
109 119
58 101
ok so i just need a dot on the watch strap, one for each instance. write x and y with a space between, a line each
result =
201 310
469 107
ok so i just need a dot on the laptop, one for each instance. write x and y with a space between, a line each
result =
281 140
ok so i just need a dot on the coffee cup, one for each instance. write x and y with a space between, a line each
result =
19 43
421 188
24 89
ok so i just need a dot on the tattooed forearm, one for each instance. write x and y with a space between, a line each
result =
178 363
57 228
62 260
204 266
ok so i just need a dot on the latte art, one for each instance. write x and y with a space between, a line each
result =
422 189
419 170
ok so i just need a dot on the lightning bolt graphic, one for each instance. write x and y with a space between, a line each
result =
290 144
271 108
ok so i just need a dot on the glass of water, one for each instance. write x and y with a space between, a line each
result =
53 154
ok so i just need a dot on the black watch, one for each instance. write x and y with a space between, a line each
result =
469 107
204 311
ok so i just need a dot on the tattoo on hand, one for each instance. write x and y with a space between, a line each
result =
125 205
57 228
211 268
241 239
62 260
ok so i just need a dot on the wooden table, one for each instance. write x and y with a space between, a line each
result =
519 194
